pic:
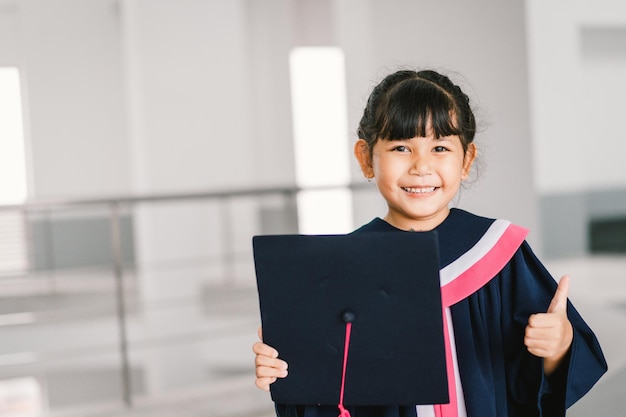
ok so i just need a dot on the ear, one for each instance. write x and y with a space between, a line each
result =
362 154
468 160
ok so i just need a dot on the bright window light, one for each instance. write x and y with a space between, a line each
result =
325 211
12 156
21 397
320 128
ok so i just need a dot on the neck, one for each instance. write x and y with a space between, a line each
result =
418 224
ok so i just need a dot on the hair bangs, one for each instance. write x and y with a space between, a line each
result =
416 108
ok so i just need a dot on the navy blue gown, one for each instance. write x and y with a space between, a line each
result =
498 376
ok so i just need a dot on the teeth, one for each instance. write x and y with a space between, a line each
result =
421 190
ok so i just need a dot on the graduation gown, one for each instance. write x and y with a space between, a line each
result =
491 283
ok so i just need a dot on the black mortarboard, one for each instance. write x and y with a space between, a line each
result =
386 285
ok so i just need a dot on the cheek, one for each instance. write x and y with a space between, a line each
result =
385 169
455 173
378 167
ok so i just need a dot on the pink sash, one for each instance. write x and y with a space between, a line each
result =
459 280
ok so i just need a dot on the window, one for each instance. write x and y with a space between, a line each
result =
12 172
12 156
318 97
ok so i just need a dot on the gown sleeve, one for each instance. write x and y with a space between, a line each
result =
527 288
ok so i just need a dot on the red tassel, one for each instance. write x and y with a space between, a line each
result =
343 412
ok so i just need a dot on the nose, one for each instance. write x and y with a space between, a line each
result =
421 165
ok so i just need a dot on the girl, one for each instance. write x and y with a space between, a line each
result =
515 346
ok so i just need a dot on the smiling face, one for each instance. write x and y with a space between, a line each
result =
416 138
418 177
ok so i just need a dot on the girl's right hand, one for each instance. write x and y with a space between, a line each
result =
268 366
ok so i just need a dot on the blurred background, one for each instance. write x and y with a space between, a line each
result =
144 142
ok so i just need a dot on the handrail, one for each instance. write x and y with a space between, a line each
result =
44 204
114 204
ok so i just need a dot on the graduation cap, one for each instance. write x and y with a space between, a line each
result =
358 317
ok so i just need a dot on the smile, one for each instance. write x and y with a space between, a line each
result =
421 190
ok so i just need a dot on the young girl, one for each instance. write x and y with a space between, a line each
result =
515 346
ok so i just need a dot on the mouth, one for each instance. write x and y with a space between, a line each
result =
419 190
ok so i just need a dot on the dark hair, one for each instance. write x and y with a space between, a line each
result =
402 105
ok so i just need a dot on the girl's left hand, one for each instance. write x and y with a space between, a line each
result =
268 366
549 335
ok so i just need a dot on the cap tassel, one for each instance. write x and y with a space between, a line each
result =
342 411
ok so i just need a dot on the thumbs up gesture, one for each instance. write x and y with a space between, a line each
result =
549 335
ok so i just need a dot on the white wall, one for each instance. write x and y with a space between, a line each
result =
577 66
161 95
146 96
482 45
190 83
8 34
69 52
577 62
151 96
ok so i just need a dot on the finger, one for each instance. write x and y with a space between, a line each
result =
266 361
539 344
261 348
264 383
559 301
542 320
541 335
539 352
260 333
270 372
543 346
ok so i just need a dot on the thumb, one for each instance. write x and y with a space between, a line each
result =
260 333
559 301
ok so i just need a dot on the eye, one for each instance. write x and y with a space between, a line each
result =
400 148
440 149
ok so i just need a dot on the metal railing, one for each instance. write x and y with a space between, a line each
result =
115 208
